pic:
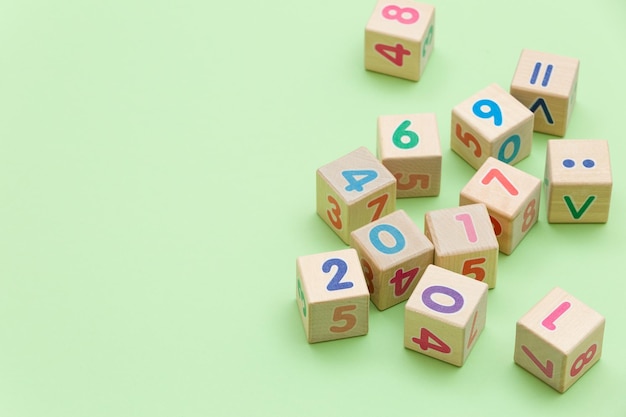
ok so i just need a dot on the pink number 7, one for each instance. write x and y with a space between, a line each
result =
548 322
548 369
502 179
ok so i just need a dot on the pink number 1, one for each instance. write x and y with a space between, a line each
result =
468 224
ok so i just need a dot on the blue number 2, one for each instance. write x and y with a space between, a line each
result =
335 282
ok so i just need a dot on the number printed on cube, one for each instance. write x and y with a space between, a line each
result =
332 295
399 38
491 123
445 315
408 146
546 84
353 191
559 339
578 181
464 241
512 199
394 254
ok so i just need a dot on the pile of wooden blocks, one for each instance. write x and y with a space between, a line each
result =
444 273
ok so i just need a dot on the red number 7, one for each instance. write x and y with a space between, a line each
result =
379 202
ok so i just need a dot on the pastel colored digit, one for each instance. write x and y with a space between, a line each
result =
335 283
468 225
583 360
473 331
369 275
393 12
403 138
301 298
334 215
493 111
441 308
514 140
470 266
547 369
578 213
378 202
400 241
428 40
423 180
548 322
529 215
358 178
341 314
495 173
497 226
546 76
540 102
402 281
467 139
424 341
395 54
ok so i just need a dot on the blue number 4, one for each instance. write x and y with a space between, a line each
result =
358 178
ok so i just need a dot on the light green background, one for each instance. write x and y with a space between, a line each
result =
157 168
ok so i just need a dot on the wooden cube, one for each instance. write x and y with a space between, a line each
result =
445 315
354 190
464 241
512 199
408 146
546 84
394 254
332 295
399 38
578 181
491 123
559 339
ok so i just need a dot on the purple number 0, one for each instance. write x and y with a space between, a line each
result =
440 308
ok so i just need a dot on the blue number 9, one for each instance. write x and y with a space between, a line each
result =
494 110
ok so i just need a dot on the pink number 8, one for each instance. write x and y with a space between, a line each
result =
393 12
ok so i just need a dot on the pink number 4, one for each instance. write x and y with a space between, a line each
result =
395 54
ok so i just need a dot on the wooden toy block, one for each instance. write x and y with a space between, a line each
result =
445 315
491 123
408 146
464 241
354 190
546 84
578 181
332 295
559 339
399 38
512 199
394 254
